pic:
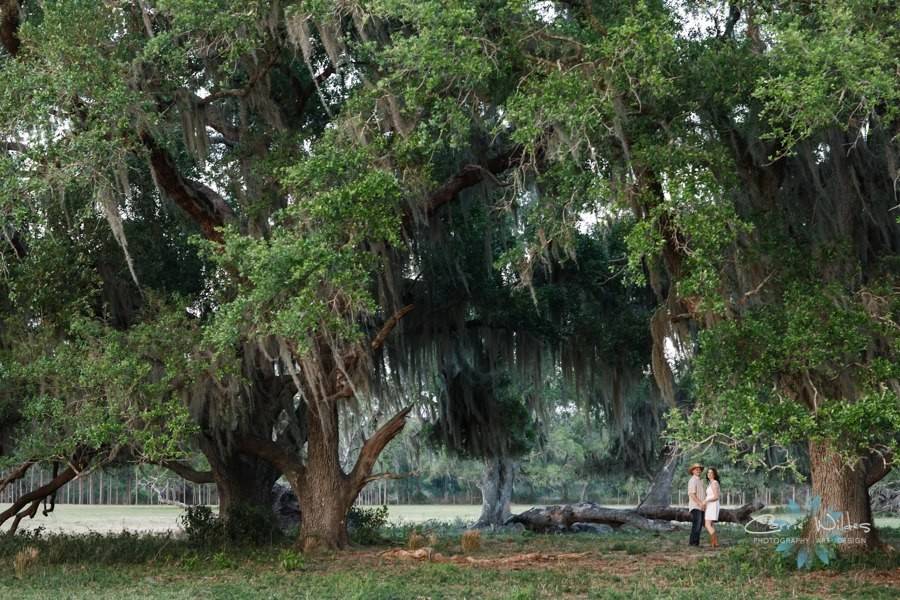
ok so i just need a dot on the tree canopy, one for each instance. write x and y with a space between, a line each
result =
229 225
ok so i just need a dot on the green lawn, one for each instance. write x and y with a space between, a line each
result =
86 518
615 566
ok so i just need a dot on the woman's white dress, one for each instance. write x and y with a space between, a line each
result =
712 506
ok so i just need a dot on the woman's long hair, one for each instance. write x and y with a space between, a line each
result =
715 473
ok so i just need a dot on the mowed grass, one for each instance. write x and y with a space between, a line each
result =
508 566
113 519
84 518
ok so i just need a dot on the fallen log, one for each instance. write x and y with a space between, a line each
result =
739 515
560 518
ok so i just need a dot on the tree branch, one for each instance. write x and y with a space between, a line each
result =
469 176
373 447
284 461
877 466
240 92
201 203
16 474
185 471
34 498
381 476
385 331
12 146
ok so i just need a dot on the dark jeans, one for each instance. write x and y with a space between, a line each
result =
696 526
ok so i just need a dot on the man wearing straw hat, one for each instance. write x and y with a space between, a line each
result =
695 502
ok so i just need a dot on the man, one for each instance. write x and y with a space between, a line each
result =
696 502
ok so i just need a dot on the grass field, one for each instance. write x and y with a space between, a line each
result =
85 518
104 519
519 566
82 563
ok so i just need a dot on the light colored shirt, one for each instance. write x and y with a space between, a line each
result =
695 487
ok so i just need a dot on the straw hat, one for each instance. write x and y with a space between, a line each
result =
694 466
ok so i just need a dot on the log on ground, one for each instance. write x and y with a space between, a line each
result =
560 518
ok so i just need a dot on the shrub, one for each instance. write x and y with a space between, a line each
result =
245 525
248 524
366 524
223 561
201 525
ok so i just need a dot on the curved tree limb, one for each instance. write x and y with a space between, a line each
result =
386 475
381 336
373 446
34 498
876 466
202 204
186 471
16 474
469 176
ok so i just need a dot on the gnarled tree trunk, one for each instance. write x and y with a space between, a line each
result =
844 489
660 492
496 491
326 493
243 481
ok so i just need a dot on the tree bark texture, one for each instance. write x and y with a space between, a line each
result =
325 491
496 491
660 492
842 488
243 481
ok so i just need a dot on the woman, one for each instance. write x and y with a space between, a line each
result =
711 512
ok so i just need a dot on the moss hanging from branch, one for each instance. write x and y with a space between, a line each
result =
110 208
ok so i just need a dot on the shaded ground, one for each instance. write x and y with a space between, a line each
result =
620 565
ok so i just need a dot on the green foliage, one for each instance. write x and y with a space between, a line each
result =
366 525
246 526
311 277
291 560
795 343
201 526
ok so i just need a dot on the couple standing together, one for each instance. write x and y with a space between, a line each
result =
703 506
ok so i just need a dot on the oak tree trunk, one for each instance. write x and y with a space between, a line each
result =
496 491
324 490
660 492
243 482
844 489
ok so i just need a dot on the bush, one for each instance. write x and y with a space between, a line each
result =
246 525
201 525
251 525
366 524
